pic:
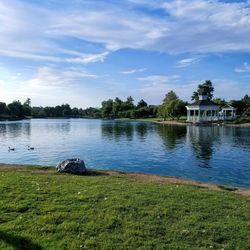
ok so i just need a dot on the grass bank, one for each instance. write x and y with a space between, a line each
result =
40 209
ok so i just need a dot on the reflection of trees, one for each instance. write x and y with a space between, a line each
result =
62 126
117 130
142 130
16 129
202 139
170 134
3 130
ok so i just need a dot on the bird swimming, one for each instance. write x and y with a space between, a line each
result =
11 149
30 148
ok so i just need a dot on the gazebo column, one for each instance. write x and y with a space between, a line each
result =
188 115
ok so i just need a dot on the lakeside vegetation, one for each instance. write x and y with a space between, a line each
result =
172 107
41 209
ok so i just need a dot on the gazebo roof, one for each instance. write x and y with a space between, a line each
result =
228 107
203 103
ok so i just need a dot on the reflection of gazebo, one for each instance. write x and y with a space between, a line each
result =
202 110
228 112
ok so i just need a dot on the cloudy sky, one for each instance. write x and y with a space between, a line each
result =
84 51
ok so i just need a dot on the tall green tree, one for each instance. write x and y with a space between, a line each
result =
3 108
27 107
107 108
204 88
170 96
128 104
172 106
141 104
117 105
16 109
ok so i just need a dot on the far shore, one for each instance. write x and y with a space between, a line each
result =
145 177
154 120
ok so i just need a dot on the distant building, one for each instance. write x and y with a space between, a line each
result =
202 110
227 112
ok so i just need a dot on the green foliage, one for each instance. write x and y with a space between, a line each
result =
172 107
16 109
142 104
170 96
117 108
3 108
107 109
220 102
204 89
40 209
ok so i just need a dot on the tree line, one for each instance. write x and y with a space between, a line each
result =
16 109
172 107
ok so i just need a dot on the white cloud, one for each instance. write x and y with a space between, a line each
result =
89 58
245 68
188 26
48 77
133 71
187 62
159 78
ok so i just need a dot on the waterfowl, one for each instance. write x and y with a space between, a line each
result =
11 149
30 148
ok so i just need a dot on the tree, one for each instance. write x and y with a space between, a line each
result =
220 102
170 96
16 109
107 108
205 88
66 110
172 106
141 104
117 104
3 108
128 104
27 107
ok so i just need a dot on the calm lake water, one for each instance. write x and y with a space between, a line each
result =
209 154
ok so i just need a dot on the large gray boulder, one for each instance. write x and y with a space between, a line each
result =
73 166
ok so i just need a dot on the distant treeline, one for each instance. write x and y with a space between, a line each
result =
16 109
171 107
118 108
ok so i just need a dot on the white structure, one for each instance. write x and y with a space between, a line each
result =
202 110
228 112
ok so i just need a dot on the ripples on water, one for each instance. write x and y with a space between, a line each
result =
204 153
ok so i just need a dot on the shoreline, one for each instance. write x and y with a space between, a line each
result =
170 122
143 177
201 124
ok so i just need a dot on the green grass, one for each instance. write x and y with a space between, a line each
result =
241 120
40 209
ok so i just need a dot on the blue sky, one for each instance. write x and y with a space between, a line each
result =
84 51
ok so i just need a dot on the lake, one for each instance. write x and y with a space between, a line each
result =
204 153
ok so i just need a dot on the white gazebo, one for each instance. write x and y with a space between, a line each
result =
202 110
228 112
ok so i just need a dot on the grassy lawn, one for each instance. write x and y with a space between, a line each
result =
40 209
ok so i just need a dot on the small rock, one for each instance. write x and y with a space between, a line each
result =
73 166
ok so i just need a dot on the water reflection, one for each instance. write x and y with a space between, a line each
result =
214 154
64 126
202 139
117 130
142 130
171 134
14 130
